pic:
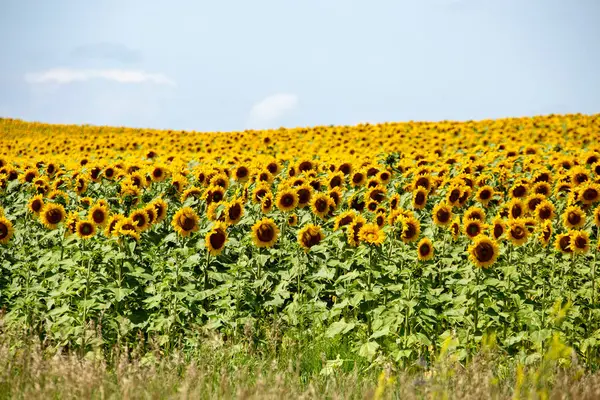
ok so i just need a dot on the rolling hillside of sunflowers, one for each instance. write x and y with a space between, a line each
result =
392 240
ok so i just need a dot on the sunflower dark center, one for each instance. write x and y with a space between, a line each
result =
86 228
187 223
443 215
287 200
310 240
485 194
516 211
410 231
565 244
473 229
335 181
265 233
217 239
305 166
484 252
580 243
498 230
517 232
234 211
3 231
519 191
345 220
424 249
98 216
241 172
36 205
454 195
420 198
357 178
376 195
157 173
574 218
128 227
140 219
54 216
590 194
580 178
217 196
321 205
303 196
533 203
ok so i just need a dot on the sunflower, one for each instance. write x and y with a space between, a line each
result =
335 180
36 204
126 227
542 188
376 193
241 173
580 241
194 192
371 234
287 200
214 212
81 185
85 229
98 214
266 204
516 208
234 211
394 201
597 216
498 228
545 211
519 190
140 218
216 238
517 231
562 243
151 213
455 228
442 214
474 213
411 229
344 219
453 195
292 220
533 201
321 204
6 230
545 233
589 193
353 229
304 195
425 249
483 252
160 206
419 199
309 236
158 174
214 194
220 180
473 228
485 194
579 175
111 226
130 194
52 215
358 178
185 221
265 233
573 217
466 194
336 196
380 220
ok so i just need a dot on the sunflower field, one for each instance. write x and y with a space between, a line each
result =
392 239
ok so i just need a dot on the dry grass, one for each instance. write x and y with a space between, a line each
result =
30 372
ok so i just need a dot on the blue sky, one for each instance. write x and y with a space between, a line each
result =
231 65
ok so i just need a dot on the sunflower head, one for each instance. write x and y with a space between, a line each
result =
111 225
442 214
292 220
425 249
6 230
344 219
474 213
589 193
287 200
562 243
419 199
98 215
473 228
36 204
483 252
371 234
411 229
573 217
498 228
216 238
52 215
160 206
85 229
485 194
580 241
234 211
545 233
309 236
185 221
321 204
545 211
265 233
517 231
455 228
141 219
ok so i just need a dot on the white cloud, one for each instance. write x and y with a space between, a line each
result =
63 76
269 110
